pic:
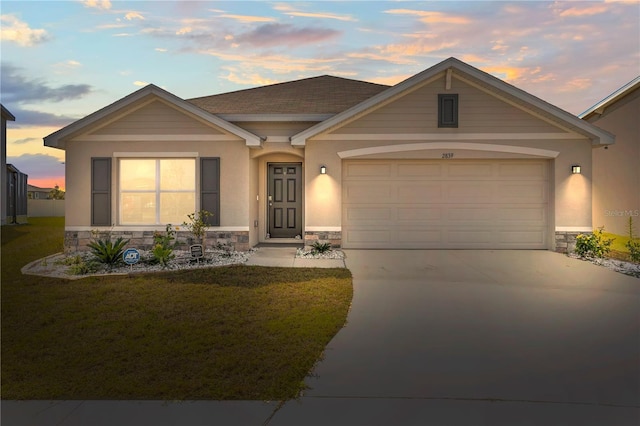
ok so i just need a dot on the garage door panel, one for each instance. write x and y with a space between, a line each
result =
520 192
531 213
469 170
367 170
419 214
372 236
412 192
369 213
520 171
365 192
470 214
414 237
469 192
417 170
478 204
469 237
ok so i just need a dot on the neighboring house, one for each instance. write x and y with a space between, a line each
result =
37 193
450 158
6 116
16 199
13 183
616 170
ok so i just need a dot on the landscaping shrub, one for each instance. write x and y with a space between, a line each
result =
78 265
197 224
107 251
593 245
633 244
163 246
320 248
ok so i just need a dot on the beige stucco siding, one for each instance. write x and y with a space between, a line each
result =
417 112
156 117
234 175
616 186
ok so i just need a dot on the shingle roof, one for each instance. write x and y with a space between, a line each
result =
316 95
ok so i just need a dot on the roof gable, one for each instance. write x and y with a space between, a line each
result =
143 96
473 75
416 113
162 117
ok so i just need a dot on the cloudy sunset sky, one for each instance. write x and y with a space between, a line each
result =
62 60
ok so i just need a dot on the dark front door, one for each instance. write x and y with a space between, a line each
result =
285 200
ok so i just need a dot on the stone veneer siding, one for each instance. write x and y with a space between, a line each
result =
566 241
332 237
76 241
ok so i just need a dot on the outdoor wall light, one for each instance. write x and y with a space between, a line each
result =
323 170
575 169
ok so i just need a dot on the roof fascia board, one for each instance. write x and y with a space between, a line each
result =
384 96
6 114
612 98
54 139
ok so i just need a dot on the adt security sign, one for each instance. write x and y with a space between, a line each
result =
131 256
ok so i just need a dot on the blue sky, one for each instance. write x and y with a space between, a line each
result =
62 60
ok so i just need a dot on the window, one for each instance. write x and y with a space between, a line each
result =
448 110
157 191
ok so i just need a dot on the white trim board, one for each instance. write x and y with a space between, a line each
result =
323 229
155 138
441 137
140 228
156 154
386 149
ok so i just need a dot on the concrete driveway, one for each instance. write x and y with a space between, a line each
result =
482 338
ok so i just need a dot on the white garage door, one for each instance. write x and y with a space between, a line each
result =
464 204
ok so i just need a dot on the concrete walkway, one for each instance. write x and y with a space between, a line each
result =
286 257
440 337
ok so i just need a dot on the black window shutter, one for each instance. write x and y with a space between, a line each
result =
101 191
210 188
448 110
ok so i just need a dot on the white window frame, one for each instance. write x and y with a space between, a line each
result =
157 157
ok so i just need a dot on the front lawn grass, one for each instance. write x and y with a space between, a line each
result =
230 333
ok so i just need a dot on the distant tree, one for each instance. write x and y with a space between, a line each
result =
56 193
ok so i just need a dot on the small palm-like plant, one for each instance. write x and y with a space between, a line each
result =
107 251
320 248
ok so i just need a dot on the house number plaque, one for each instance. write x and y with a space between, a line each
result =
447 155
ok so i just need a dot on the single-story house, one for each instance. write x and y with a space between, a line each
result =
616 170
450 158
16 195
37 193
13 183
